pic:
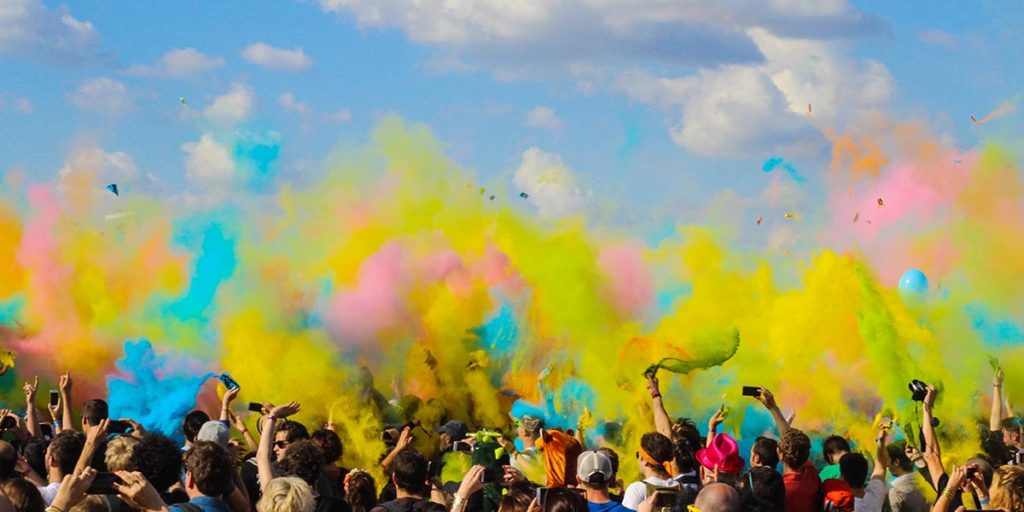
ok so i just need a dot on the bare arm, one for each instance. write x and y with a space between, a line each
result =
713 424
996 418
31 415
265 451
68 423
662 423
932 451
768 400
92 443
54 417
250 442
225 404
404 442
946 498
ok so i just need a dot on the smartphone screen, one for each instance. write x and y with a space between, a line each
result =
118 427
104 484
751 391
542 494
491 475
665 499
255 407
228 381
54 397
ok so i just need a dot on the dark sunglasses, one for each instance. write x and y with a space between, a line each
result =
281 444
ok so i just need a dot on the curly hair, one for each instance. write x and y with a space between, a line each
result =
210 467
119 452
795 448
360 491
1007 491
295 430
24 495
329 443
302 459
287 494
158 458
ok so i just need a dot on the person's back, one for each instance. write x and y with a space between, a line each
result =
905 494
207 478
799 474
853 469
762 490
594 472
410 478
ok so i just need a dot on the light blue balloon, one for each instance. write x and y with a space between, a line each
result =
913 282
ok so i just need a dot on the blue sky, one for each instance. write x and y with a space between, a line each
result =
659 103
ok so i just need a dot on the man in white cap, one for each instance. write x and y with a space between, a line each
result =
594 471
216 432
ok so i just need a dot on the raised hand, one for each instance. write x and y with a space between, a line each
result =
230 395
65 383
717 419
137 492
930 395
405 439
72 489
283 411
471 482
767 398
653 387
30 390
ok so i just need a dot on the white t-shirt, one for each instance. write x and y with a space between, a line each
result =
49 492
636 493
874 496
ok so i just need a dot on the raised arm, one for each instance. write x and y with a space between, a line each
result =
768 400
68 423
31 415
250 442
662 423
995 420
264 453
225 405
881 456
404 442
713 424
92 443
932 451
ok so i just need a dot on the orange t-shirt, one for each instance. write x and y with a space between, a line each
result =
560 453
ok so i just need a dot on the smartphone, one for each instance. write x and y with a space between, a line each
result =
665 499
54 397
462 446
118 427
433 469
47 430
104 484
542 494
228 381
491 475
7 423
753 391
255 407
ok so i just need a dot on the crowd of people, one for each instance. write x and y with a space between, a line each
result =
112 465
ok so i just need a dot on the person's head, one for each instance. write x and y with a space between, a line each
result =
287 433
614 458
528 427
302 459
717 497
853 468
594 470
215 432
794 448
119 453
683 454
208 469
329 443
63 453
1007 490
34 452
764 453
450 432
8 460
93 412
899 463
158 458
562 499
984 467
287 494
360 491
1011 432
763 490
834 447
410 473
515 501
24 495
686 429
658 450
193 423
92 503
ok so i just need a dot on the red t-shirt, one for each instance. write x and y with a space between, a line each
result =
802 489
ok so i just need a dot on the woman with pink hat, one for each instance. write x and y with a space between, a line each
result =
720 460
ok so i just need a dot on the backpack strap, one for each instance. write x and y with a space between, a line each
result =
188 507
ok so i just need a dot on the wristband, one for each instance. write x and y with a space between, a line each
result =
655 395
948 493
271 417
982 501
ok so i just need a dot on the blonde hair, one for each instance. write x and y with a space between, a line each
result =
1007 490
119 452
92 503
287 494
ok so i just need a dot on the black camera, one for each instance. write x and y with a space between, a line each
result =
918 390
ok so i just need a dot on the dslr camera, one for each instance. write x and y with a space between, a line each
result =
918 390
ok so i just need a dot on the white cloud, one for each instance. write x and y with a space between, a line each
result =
288 102
208 163
29 29
549 184
276 58
232 107
544 117
180 63
24 105
100 167
103 95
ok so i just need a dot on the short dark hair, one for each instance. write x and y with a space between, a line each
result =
897 455
853 467
8 460
302 459
794 448
564 500
24 495
34 451
329 443
65 449
612 456
210 467
684 454
763 491
1010 424
657 446
767 449
834 445
193 423
410 472
95 410
294 429
515 501
158 458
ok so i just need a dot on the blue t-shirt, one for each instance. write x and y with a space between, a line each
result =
611 506
205 503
